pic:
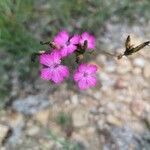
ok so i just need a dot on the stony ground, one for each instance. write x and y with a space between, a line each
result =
112 116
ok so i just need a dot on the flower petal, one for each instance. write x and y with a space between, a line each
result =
85 35
57 78
50 59
85 76
91 80
56 57
82 68
91 68
46 74
77 76
86 83
75 39
64 34
90 40
59 74
61 38
64 52
71 48
45 59
64 71
82 84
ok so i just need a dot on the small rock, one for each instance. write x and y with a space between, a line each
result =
3 148
97 95
110 67
48 145
17 123
75 99
15 119
42 116
146 71
91 136
3 132
101 59
80 117
31 104
33 130
80 141
124 137
139 62
137 71
145 140
101 124
114 121
55 128
124 66
104 76
94 110
146 119
136 126
67 102
137 107
106 80
147 122
121 84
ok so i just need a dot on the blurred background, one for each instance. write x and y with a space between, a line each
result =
34 114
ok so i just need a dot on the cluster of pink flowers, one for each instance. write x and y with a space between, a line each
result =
65 45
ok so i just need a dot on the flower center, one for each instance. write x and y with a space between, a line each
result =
68 42
56 65
85 74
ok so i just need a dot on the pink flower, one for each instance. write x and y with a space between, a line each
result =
52 69
65 43
90 40
85 76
